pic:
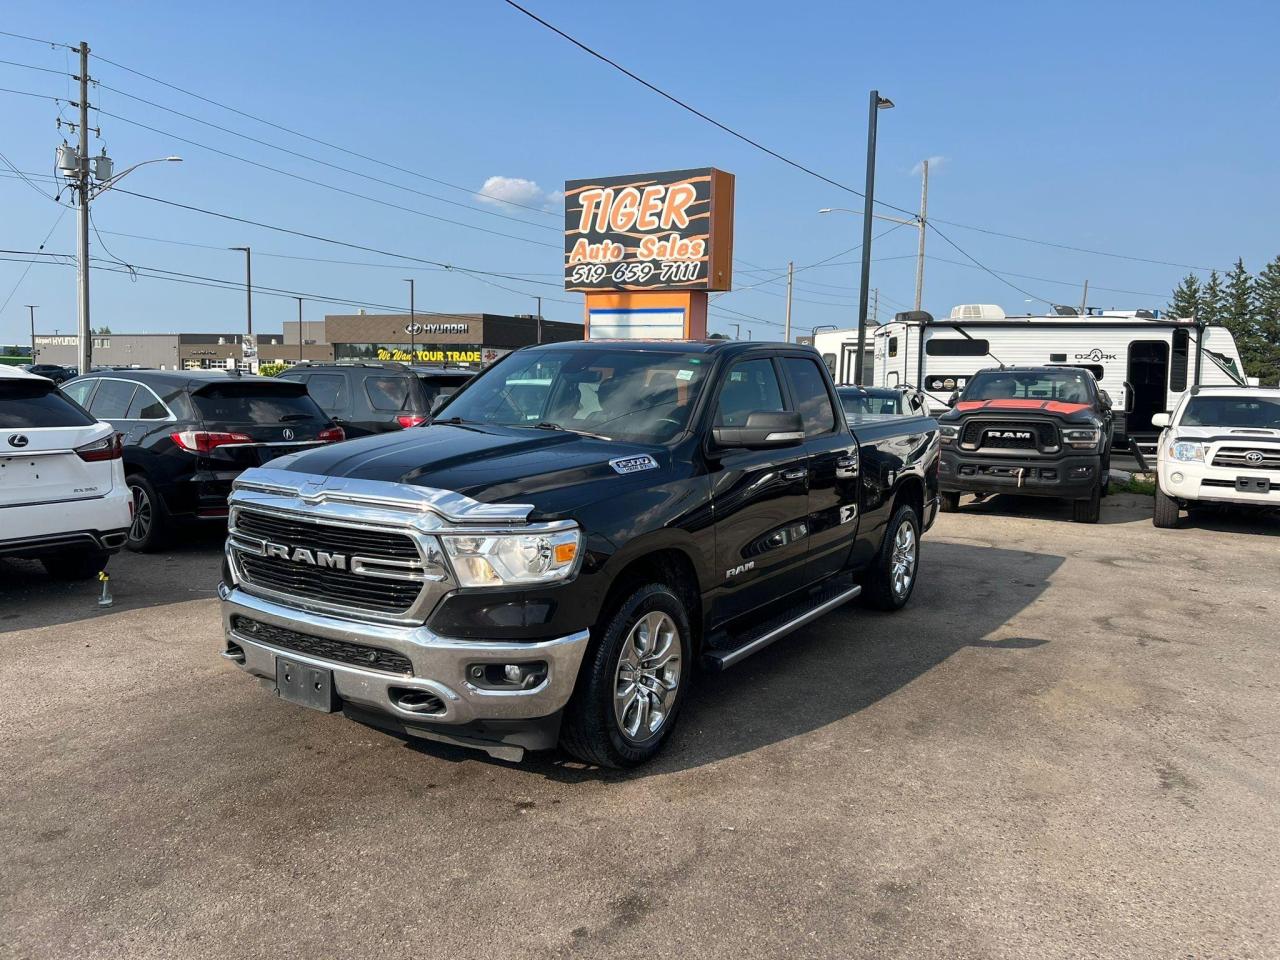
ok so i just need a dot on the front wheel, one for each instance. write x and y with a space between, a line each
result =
892 577
950 501
1166 512
632 681
1088 510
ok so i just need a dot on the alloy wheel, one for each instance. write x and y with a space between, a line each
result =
142 515
903 560
648 676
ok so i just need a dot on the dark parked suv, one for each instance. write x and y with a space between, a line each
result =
188 434
369 396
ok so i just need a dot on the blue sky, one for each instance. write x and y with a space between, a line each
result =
1146 129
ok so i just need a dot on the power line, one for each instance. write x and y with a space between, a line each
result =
30 66
61 213
979 263
51 43
695 111
328 186
305 136
326 163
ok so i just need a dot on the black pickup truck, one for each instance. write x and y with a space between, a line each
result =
1038 431
547 560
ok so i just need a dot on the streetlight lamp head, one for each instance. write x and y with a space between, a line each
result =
825 210
173 159
884 103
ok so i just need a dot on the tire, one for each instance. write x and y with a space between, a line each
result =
1088 510
594 730
1106 476
75 566
950 501
893 574
1166 511
149 529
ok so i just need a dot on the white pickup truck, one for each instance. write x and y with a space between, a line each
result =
1221 445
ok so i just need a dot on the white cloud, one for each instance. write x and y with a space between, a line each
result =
517 190
934 164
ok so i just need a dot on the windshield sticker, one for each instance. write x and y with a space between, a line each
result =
684 374
625 465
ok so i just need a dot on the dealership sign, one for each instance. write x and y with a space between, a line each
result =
417 329
654 231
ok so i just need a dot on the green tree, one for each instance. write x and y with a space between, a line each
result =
1186 298
1241 317
1267 300
1213 299
102 330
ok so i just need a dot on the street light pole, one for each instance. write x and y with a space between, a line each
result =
878 103
791 273
31 307
413 324
924 220
539 299
299 299
84 351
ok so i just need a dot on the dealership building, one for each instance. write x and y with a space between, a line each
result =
472 339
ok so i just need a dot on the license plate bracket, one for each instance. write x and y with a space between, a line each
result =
305 685
1253 484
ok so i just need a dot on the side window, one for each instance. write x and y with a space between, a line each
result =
893 346
146 406
79 391
751 386
112 400
811 397
329 390
387 393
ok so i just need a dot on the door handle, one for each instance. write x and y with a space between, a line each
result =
797 474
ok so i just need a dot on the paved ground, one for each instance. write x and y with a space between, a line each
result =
1066 747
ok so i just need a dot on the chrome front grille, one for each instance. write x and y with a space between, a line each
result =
334 566
1239 458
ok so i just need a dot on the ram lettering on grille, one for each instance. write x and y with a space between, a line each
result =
317 558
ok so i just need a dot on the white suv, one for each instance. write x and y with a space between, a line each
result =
63 499
1221 445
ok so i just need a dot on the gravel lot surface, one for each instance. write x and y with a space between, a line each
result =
1065 747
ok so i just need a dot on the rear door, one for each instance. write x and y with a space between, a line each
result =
759 498
40 432
832 460
253 421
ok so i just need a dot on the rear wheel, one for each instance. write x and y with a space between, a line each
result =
1166 511
632 681
892 576
75 566
950 501
149 529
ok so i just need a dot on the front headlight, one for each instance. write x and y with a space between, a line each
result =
1186 450
1082 436
513 559
947 433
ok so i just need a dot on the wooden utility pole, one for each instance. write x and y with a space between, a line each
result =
791 272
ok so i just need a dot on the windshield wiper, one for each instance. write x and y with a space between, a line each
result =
548 425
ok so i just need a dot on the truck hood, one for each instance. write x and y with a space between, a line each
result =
492 464
1244 436
1060 410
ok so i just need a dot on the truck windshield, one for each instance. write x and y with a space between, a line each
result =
1239 411
639 395
1067 385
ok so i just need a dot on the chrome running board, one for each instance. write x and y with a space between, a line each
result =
771 631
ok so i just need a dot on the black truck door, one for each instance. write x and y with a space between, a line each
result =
759 499
832 461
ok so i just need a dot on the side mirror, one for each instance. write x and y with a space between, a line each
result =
763 429
1161 420
953 399
1128 397
1106 398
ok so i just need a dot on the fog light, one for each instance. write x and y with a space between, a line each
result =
1177 478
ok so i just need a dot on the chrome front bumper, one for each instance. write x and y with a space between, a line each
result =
439 664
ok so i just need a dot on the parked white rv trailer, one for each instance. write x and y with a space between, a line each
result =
838 349
1143 361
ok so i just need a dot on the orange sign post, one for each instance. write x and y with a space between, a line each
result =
646 250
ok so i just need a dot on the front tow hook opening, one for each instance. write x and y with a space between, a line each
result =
234 652
416 701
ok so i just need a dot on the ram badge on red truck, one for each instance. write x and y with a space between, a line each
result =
580 525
